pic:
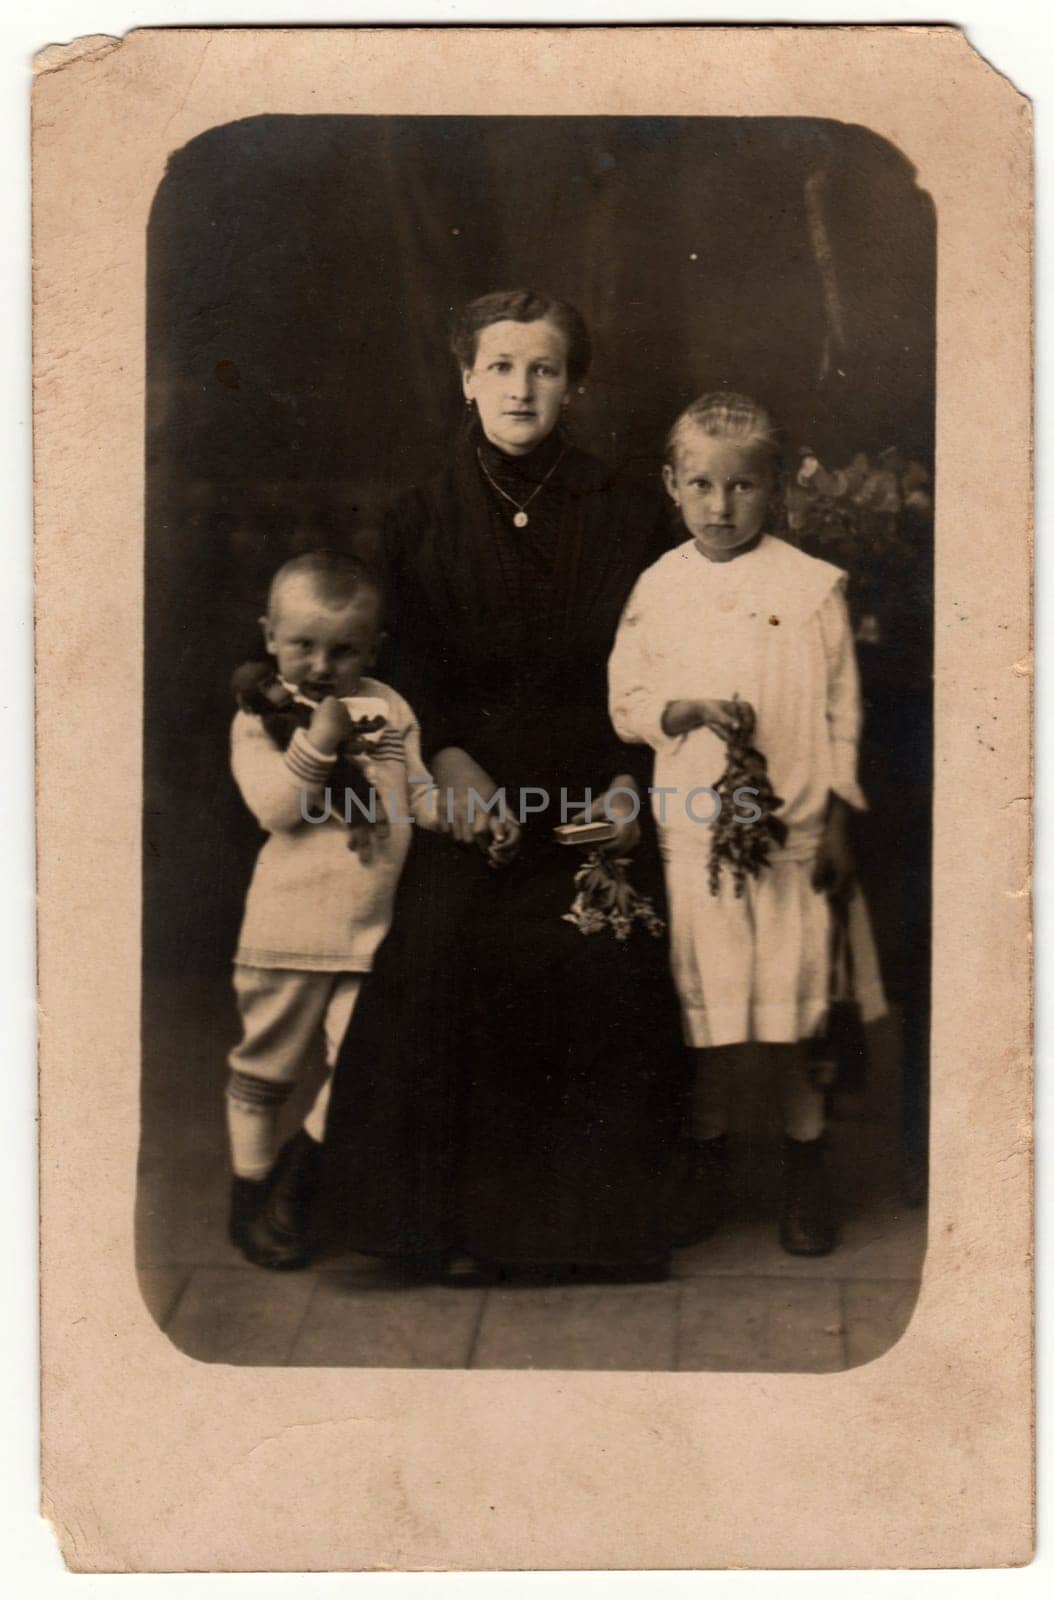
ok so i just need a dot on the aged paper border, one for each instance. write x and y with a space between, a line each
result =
155 1462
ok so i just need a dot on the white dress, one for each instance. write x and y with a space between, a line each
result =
772 627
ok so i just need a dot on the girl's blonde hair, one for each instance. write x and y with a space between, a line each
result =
735 417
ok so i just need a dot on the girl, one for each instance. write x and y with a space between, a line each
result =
736 624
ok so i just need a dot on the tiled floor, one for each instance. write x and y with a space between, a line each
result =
734 1303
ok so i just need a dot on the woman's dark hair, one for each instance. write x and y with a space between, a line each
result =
523 305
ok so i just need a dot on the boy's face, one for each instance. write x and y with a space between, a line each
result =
321 647
724 491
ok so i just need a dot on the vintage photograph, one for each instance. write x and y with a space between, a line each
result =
538 743
532 609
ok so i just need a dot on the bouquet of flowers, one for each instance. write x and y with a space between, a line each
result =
740 845
605 898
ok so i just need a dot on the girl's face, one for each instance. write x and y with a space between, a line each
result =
519 383
724 490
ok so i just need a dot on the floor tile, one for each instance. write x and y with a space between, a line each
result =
160 1288
746 1305
876 1314
760 1325
883 1242
350 1324
347 1264
615 1328
183 1224
240 1315
718 1323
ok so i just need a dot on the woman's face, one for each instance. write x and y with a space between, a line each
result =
519 383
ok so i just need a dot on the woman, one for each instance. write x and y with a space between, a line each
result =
510 1089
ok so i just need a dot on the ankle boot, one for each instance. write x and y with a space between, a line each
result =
807 1224
292 1189
249 1229
709 1165
271 1221
247 1200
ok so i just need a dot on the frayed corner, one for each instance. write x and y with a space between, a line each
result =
57 57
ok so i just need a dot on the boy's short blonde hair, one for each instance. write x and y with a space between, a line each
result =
335 577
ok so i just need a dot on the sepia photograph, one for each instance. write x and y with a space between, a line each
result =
533 565
537 742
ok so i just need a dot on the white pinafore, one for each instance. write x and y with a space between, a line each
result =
772 627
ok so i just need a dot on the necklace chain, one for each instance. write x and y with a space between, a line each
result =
521 518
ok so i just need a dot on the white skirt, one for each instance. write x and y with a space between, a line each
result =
759 967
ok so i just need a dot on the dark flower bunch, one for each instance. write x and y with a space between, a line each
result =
259 691
605 898
738 845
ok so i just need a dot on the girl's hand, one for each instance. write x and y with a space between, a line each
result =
463 787
834 870
330 725
723 717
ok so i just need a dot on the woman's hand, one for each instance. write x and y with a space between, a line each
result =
464 788
723 717
834 870
501 840
616 805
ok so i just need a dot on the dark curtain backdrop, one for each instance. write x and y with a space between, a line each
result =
302 277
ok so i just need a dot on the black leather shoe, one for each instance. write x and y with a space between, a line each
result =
807 1225
250 1231
247 1201
292 1186
270 1221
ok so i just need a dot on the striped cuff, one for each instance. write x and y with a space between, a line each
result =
307 764
257 1094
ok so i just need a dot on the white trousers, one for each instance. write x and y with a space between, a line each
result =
284 1015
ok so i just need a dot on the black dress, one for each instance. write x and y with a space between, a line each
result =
509 1086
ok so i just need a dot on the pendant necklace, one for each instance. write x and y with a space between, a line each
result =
521 519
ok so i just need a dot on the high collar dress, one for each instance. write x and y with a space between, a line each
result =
509 1086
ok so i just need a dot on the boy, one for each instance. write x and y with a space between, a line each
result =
321 894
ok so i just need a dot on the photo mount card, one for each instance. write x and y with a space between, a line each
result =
248 248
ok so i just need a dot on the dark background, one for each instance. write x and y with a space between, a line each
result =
301 281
